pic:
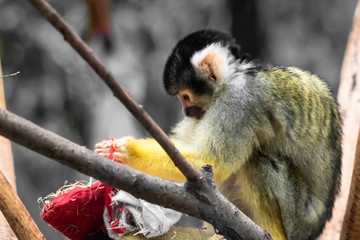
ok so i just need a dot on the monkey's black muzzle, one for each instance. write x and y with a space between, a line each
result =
195 112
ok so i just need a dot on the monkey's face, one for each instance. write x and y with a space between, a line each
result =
207 75
198 69
193 106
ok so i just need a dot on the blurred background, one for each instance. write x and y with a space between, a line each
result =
58 91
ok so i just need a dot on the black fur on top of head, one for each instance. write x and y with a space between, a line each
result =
179 73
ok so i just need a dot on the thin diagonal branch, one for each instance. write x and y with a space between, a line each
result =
85 52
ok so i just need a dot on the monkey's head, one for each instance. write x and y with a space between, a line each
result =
198 67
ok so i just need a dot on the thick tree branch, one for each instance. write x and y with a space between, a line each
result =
82 48
197 198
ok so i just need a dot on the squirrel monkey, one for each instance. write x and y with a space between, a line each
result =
272 134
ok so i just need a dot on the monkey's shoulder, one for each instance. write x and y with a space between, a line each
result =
289 83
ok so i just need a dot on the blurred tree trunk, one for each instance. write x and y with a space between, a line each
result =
6 166
245 28
350 227
348 97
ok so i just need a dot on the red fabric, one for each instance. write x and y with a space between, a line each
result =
77 213
116 228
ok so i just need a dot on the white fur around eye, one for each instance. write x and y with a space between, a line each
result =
222 56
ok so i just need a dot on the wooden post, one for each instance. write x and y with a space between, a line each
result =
6 166
11 206
16 214
349 100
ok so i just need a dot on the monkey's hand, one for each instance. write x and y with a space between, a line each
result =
118 146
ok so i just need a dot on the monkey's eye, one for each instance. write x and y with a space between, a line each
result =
213 77
185 97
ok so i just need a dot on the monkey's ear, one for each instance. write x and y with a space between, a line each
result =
211 62
211 66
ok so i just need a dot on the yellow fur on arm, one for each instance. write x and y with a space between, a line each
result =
147 156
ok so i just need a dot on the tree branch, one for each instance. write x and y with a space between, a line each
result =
197 198
86 53
16 214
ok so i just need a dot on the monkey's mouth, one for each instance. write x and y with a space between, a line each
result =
194 112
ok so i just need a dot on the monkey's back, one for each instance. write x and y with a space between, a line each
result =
290 181
311 122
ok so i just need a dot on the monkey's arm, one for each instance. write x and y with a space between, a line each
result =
146 155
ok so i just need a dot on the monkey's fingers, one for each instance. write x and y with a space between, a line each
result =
116 158
120 144
101 145
119 157
101 150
